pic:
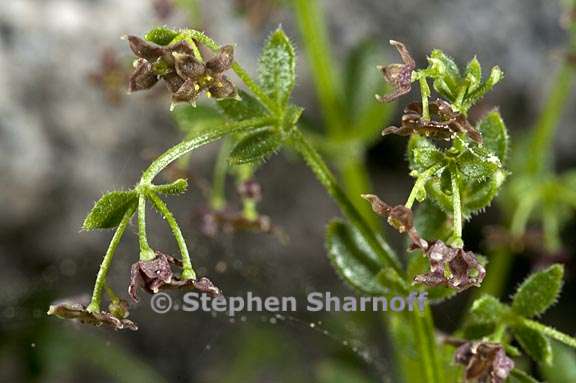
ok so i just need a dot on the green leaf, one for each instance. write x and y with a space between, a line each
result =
496 75
494 134
352 258
473 74
423 154
431 222
242 109
161 35
278 67
255 147
534 343
538 292
477 165
477 196
487 309
177 187
109 210
447 76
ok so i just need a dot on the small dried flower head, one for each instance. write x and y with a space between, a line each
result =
163 8
156 275
449 266
398 75
486 362
444 123
185 74
110 76
78 312
229 222
399 217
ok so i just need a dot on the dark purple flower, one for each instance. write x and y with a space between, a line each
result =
185 75
486 362
156 275
444 123
250 190
79 312
398 75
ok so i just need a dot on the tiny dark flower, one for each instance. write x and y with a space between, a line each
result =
399 217
444 123
486 362
156 275
143 77
450 266
398 75
79 312
185 75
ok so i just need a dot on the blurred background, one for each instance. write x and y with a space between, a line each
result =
69 133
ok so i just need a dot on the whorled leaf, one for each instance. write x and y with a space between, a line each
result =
352 258
109 210
534 343
255 147
278 67
423 154
538 292
193 120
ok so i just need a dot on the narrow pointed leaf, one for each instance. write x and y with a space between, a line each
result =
243 108
487 309
161 35
177 187
109 210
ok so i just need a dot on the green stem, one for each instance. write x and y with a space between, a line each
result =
327 179
313 31
217 194
146 253
94 305
522 214
550 332
540 148
187 270
425 93
456 211
184 147
419 184
356 181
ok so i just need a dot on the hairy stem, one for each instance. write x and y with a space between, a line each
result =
549 331
187 270
327 179
100 283
184 147
456 211
146 253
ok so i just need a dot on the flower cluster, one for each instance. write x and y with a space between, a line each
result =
449 266
444 123
185 74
